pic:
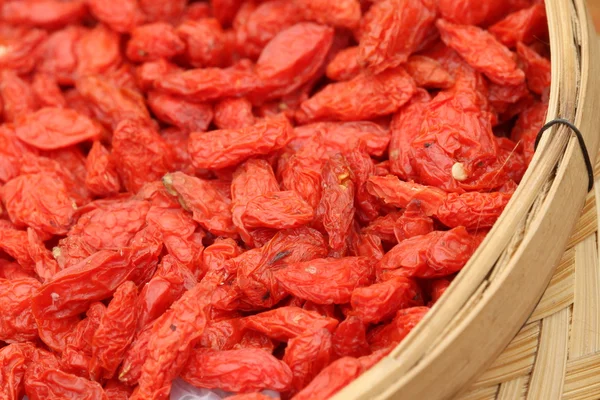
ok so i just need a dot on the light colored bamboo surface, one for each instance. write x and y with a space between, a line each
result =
556 355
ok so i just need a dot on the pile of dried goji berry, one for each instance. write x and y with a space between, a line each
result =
247 195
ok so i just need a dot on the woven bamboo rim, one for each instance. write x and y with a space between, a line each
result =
556 355
495 294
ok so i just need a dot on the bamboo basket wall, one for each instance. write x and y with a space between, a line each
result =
554 356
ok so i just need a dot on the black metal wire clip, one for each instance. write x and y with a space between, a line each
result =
584 150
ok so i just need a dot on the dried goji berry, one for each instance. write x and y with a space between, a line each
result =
428 73
114 333
240 370
140 154
256 25
380 301
46 13
110 104
307 355
190 117
47 91
361 98
391 334
525 25
482 51
293 57
17 323
102 178
53 128
225 148
205 43
163 10
285 323
331 379
344 65
40 201
233 113
15 358
154 41
537 69
392 30
326 281
121 16
434 255
336 208
209 83
350 338
18 98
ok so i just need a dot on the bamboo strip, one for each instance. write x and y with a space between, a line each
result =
560 291
587 223
487 393
585 325
582 381
514 389
549 370
516 360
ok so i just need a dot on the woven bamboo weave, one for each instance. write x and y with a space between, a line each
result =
556 355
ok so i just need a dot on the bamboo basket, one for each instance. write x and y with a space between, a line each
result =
554 356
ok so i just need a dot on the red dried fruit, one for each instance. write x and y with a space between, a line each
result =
380 301
242 370
139 154
40 201
210 207
434 255
278 210
209 83
119 15
292 58
17 96
326 280
527 127
45 13
428 73
350 338
525 25
205 43
482 51
17 323
331 379
537 69
472 210
154 41
386 336
111 105
102 178
115 332
399 194
344 65
307 355
225 148
361 98
233 113
189 117
54 128
392 30
255 25
285 323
